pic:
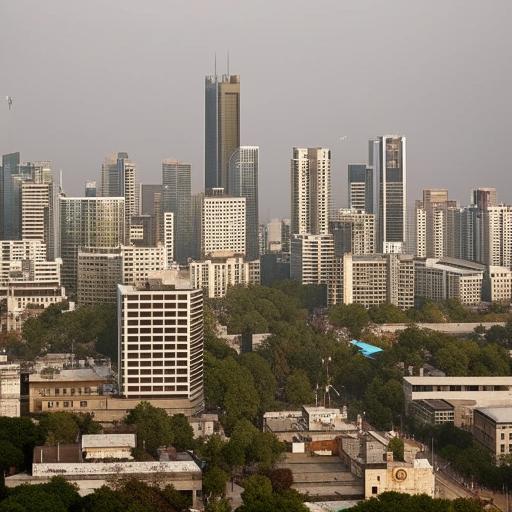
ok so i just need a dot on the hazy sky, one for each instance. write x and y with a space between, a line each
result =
94 76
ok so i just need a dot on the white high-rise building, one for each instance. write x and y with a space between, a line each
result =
160 329
138 263
387 157
216 275
497 236
310 170
223 225
312 258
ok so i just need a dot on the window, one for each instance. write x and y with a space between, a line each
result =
374 489
83 403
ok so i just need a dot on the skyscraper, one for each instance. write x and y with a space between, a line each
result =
387 157
243 182
88 222
222 225
90 189
433 226
360 187
177 198
310 190
482 197
222 128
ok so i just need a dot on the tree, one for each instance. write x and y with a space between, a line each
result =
10 456
153 427
396 445
281 479
59 427
214 482
264 379
387 313
352 316
298 388
182 433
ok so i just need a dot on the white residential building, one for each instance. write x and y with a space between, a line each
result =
310 172
139 262
353 231
374 279
168 237
223 225
216 275
312 258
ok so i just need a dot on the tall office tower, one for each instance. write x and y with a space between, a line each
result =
90 189
197 212
482 197
148 195
222 128
285 235
41 171
353 231
312 258
177 198
360 187
223 225
496 238
432 224
160 332
387 157
88 222
310 190
108 174
99 273
274 236
243 182
168 237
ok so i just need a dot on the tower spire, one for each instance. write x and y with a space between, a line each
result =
228 62
215 68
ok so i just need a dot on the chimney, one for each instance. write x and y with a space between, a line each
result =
421 371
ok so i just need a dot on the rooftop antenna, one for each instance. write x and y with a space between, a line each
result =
215 73
228 63
9 101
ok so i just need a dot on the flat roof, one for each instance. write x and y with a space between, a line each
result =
108 440
497 414
433 379
75 374
366 349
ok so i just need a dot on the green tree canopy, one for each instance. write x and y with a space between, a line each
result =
352 316
298 388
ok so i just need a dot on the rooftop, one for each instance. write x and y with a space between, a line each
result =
75 374
366 349
108 440
482 381
437 405
497 414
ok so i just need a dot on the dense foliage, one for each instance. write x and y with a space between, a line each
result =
396 502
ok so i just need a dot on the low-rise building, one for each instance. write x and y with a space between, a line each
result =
73 390
492 428
449 278
206 425
432 412
108 446
373 279
497 284
73 463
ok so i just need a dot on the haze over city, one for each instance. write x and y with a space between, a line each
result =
129 76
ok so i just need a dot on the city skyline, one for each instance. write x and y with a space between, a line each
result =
470 128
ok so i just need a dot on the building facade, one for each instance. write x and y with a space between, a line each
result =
360 187
353 231
160 328
243 182
387 158
310 172
222 128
